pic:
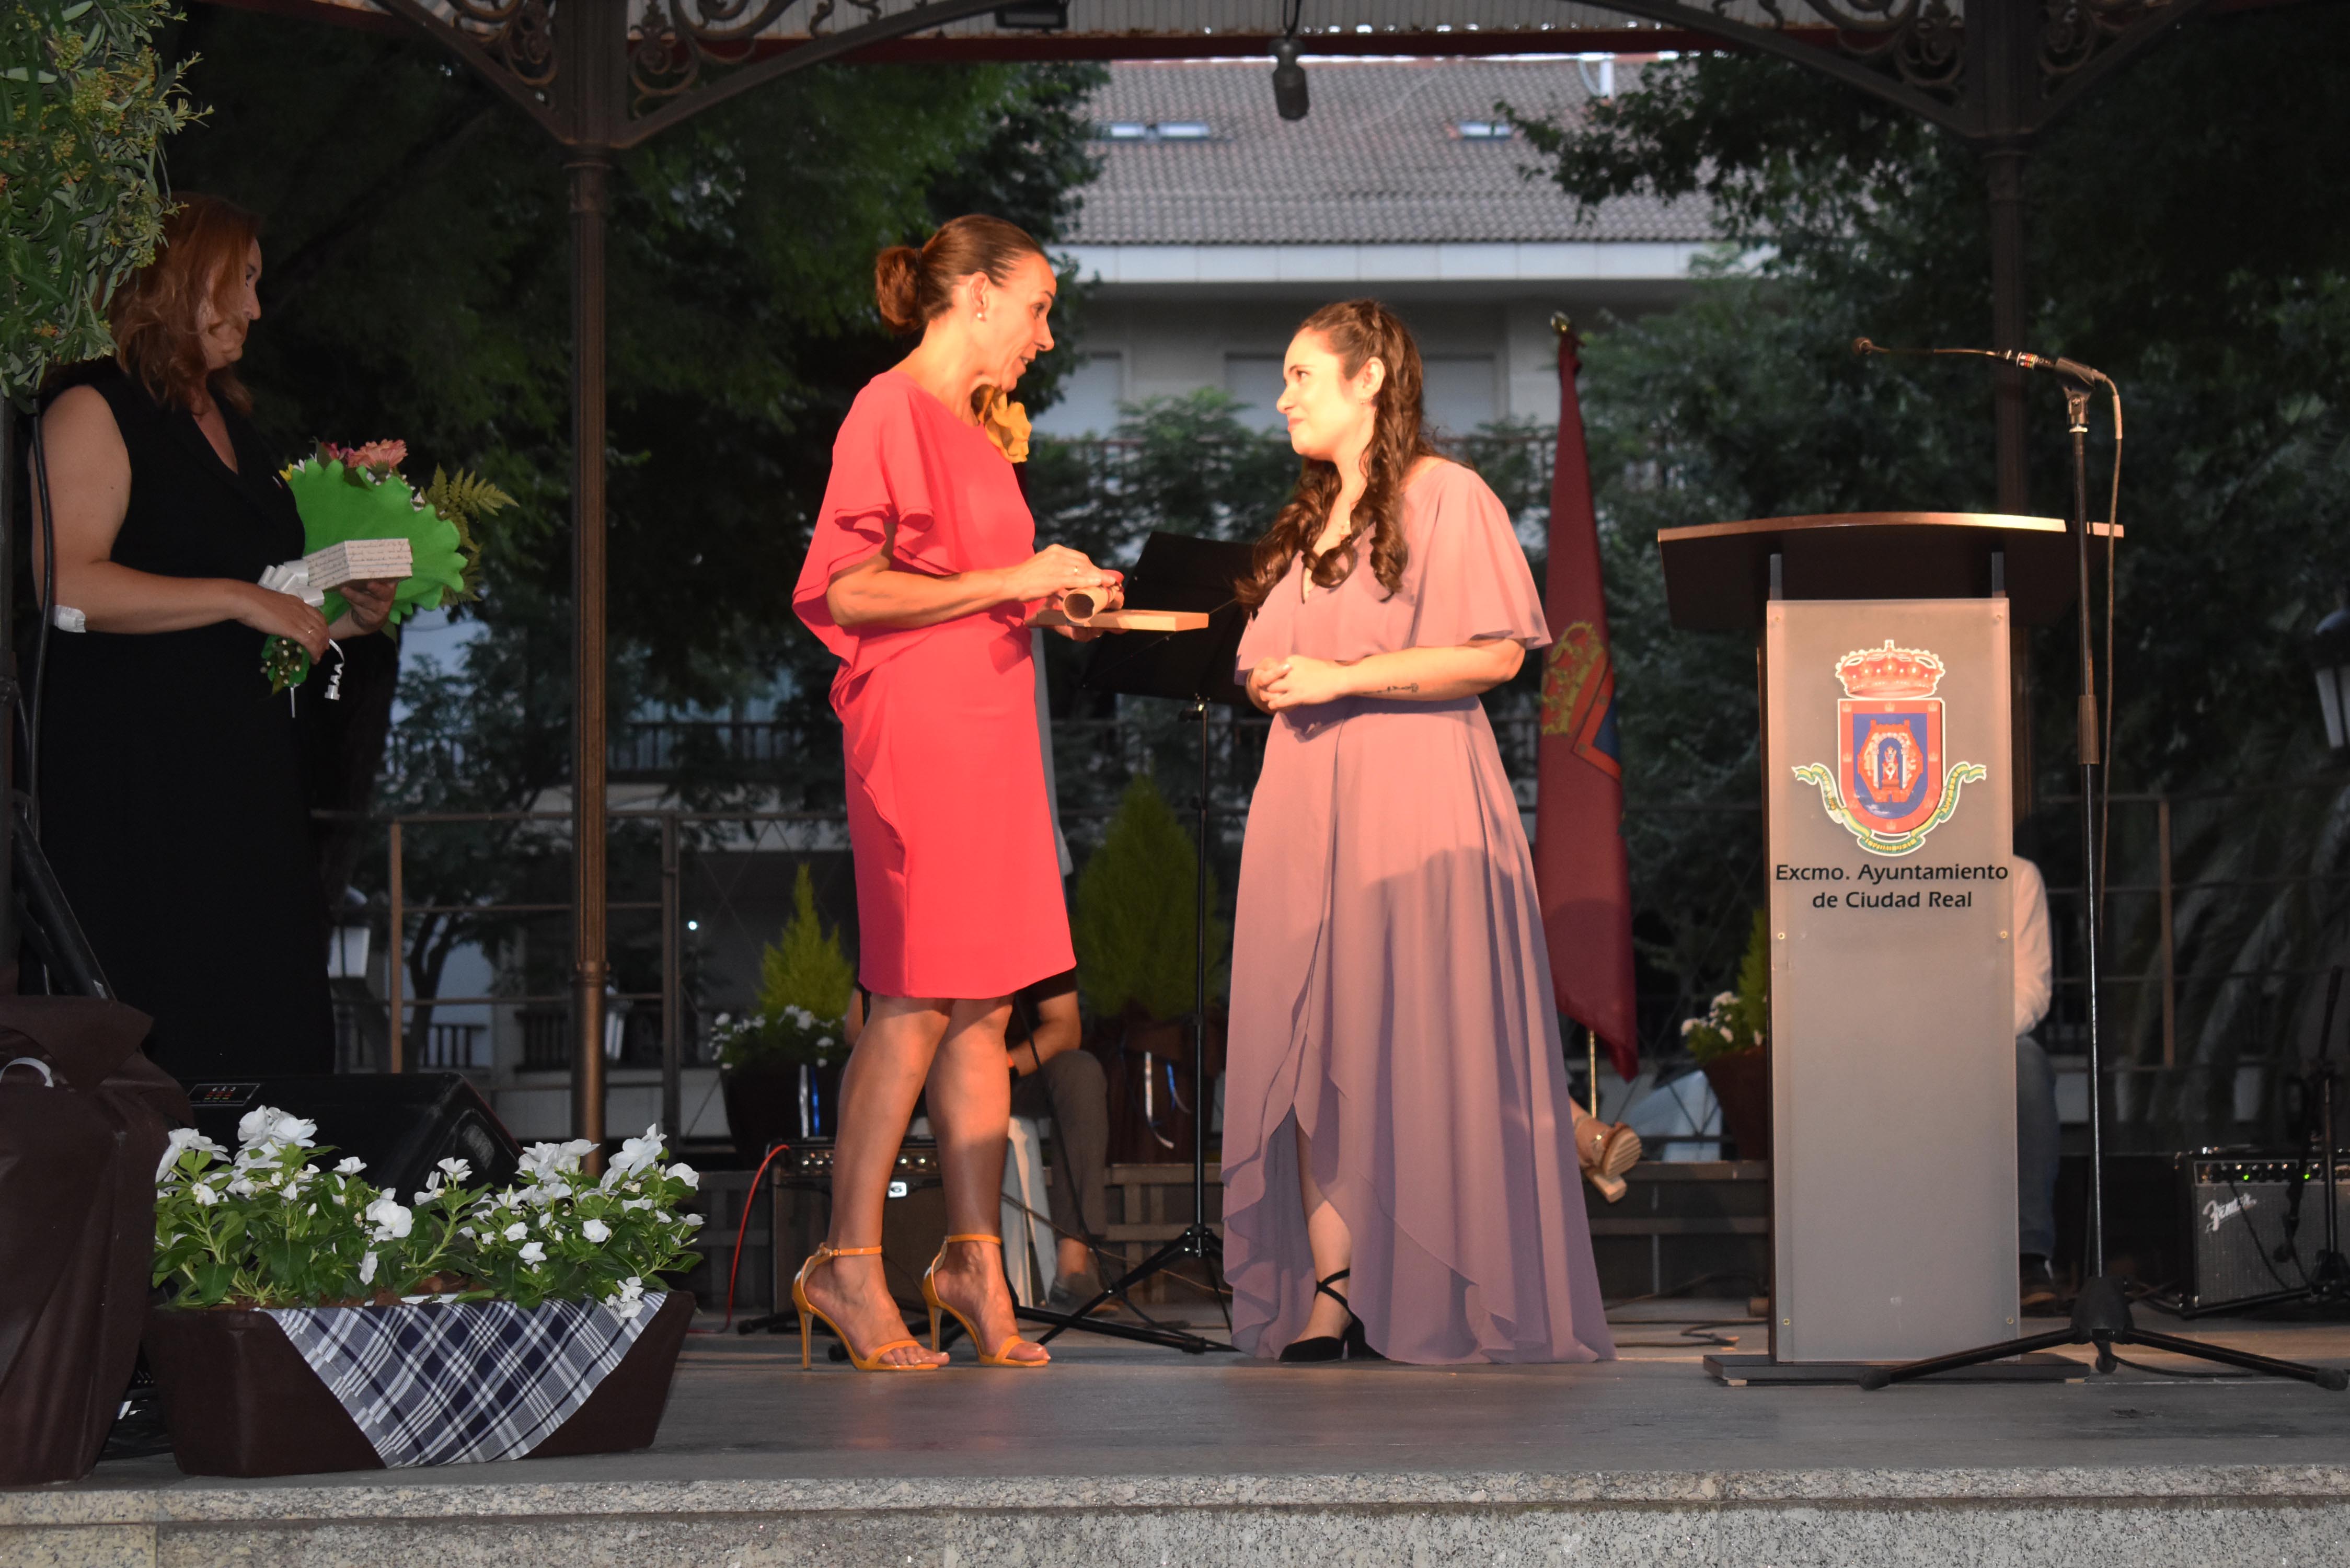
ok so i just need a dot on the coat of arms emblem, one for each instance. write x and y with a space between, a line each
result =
1891 788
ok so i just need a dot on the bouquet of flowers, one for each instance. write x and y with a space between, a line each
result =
351 494
268 1228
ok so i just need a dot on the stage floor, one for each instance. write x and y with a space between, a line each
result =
1126 1452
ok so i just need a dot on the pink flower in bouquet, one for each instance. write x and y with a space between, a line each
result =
377 456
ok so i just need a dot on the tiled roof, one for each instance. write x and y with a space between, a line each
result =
1375 162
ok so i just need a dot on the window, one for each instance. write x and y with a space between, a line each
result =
1457 392
1484 130
1090 394
1255 379
1155 130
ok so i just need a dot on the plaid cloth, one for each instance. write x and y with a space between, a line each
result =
457 1382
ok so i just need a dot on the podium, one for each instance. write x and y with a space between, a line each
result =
1882 643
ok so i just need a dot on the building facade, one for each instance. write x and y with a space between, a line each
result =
1216 225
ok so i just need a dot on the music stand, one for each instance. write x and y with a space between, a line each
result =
1178 572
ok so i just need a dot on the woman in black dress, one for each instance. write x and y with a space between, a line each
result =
172 794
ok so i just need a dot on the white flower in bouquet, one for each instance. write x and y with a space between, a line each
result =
391 1221
350 1165
455 1169
629 1299
202 1192
241 1187
533 1252
685 1173
515 1231
595 1231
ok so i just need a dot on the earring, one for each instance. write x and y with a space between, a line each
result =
982 316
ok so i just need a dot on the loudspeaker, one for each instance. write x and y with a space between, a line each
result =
401 1124
913 1218
2253 1224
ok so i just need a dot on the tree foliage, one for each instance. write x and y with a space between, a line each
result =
85 105
2183 237
1138 901
804 967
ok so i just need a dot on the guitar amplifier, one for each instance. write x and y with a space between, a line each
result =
913 1217
2254 1224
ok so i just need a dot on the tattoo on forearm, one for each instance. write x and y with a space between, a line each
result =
1399 686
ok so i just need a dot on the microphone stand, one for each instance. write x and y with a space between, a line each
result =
2101 1313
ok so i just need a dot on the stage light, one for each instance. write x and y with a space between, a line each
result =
1033 16
2329 650
1288 81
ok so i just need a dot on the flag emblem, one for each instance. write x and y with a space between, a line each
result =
1890 787
1579 696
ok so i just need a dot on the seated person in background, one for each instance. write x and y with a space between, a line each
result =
1052 1078
2036 1129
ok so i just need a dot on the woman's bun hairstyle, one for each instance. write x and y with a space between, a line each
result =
897 289
914 287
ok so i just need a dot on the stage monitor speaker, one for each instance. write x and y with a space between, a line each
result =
2253 1223
401 1124
913 1219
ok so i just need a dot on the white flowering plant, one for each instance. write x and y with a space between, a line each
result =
265 1227
787 1034
1737 1021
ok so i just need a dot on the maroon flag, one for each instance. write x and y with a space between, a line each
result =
1581 868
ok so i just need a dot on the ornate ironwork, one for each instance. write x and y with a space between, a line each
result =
1918 54
674 42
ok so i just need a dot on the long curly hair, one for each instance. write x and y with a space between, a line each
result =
1357 331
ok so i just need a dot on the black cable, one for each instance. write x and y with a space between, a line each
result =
2262 1252
1688 1285
47 609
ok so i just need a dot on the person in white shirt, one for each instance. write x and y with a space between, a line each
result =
2036 1132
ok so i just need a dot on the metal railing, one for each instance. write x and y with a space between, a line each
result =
2146 897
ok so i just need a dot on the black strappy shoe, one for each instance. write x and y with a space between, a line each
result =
1350 1345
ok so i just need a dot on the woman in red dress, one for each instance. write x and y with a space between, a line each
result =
920 577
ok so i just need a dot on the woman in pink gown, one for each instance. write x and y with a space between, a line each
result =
920 577
1401 1148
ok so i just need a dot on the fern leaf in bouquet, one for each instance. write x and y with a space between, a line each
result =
361 494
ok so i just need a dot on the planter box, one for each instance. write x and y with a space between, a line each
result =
241 1400
1741 1086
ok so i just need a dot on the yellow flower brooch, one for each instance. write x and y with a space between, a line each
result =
1005 422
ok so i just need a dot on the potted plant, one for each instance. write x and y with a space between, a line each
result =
1136 935
1733 1043
312 1322
779 1066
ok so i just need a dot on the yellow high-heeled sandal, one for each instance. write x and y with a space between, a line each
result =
808 1313
938 1304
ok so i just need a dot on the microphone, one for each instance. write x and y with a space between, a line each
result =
2072 369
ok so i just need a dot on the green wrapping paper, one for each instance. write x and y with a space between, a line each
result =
344 494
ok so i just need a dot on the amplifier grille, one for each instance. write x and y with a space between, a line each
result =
2247 1236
